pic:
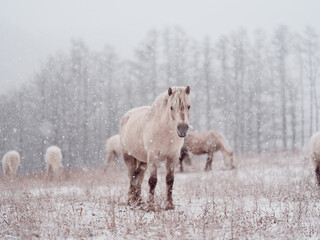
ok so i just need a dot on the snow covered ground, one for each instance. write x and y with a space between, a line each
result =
272 196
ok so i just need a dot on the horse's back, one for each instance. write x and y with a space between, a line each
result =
196 142
133 115
205 142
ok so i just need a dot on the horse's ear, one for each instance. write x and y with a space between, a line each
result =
169 91
187 90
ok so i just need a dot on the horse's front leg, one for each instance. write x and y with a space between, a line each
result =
152 167
228 160
170 180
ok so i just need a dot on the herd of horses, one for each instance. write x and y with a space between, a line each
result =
53 160
151 134
155 133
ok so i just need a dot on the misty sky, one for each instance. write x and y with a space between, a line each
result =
34 29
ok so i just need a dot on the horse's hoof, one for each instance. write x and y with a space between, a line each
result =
169 206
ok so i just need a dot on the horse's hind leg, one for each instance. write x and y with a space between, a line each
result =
209 162
130 162
169 181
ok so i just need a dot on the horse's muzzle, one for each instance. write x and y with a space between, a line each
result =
182 129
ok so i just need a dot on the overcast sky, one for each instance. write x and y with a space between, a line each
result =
30 30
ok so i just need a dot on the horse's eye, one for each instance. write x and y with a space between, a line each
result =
171 108
188 107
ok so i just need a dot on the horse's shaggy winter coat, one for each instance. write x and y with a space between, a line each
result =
151 134
206 143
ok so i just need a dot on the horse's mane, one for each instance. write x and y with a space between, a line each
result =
162 100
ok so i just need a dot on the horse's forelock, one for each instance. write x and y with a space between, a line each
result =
178 94
180 97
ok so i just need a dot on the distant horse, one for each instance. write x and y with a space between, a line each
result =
151 134
314 153
10 163
53 160
206 143
113 148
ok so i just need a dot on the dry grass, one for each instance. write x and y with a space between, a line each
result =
268 197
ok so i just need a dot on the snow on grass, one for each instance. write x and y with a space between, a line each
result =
265 197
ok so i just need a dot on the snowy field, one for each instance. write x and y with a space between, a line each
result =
267 197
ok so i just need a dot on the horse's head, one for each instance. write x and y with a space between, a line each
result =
178 107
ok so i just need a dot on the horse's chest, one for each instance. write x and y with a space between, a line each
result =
165 146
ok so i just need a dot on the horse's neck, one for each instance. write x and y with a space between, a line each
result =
158 107
159 112
225 145
160 115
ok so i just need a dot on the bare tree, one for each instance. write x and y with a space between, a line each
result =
312 65
281 43
207 78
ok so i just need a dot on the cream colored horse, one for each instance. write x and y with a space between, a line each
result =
113 148
314 153
53 160
206 143
151 134
10 163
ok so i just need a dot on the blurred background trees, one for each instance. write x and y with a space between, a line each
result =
259 91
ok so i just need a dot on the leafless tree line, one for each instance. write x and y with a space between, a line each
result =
260 91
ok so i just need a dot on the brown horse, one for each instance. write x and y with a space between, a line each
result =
314 153
206 143
151 134
113 149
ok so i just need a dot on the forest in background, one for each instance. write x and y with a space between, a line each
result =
258 89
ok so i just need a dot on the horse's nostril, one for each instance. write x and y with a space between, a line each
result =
183 127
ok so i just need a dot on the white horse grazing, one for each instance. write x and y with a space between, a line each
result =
10 163
113 148
53 159
314 153
151 134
